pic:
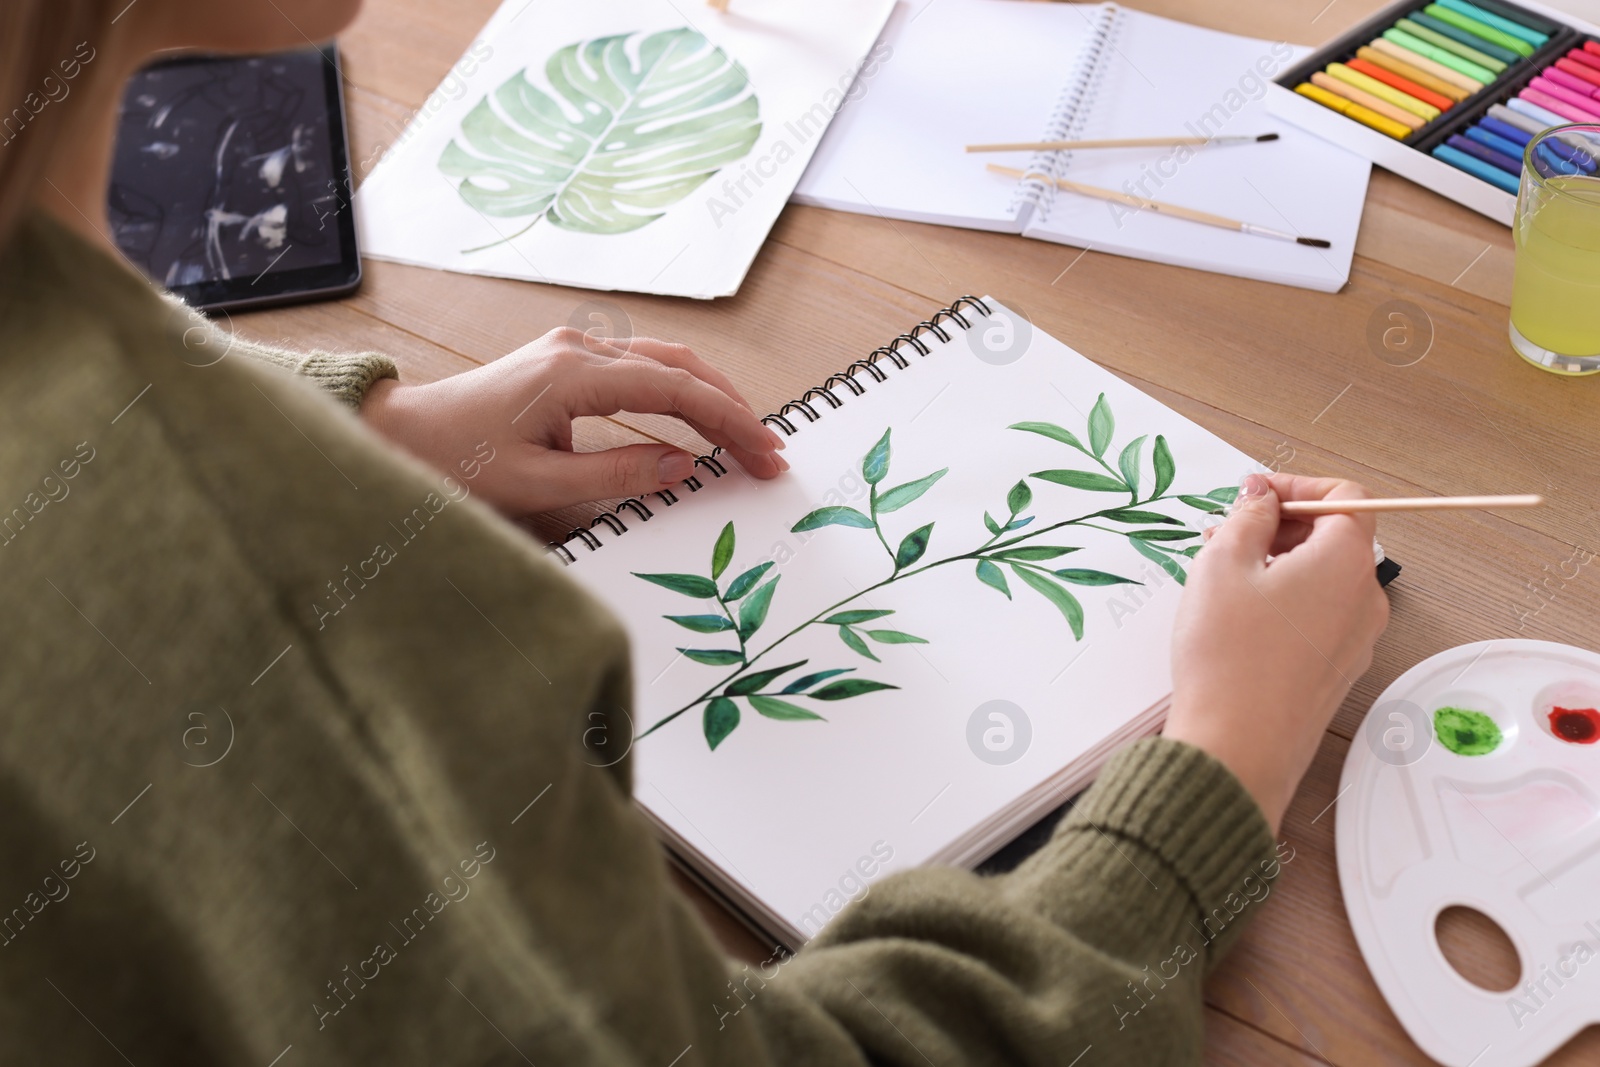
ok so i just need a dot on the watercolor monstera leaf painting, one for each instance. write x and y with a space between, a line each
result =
1032 555
642 121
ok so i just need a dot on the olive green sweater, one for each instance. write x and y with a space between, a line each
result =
239 828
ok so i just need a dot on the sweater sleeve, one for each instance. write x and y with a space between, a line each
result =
345 376
1101 940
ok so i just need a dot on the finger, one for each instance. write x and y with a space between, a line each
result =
1246 536
1296 532
684 358
567 478
647 387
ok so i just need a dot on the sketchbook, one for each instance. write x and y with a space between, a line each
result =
960 72
638 145
930 632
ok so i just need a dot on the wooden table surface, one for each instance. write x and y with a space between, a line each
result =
1289 376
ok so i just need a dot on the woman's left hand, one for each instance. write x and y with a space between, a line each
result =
506 427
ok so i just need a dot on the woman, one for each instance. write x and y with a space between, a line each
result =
394 850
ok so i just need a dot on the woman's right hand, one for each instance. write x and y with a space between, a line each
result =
1264 653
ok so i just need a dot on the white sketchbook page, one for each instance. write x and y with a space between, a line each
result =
1163 77
786 809
961 72
800 60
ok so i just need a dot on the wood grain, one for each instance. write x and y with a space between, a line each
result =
1306 382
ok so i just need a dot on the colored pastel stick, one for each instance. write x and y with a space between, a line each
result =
1411 74
1592 46
1489 18
1568 112
1351 110
1367 100
1506 163
1526 19
1578 70
1410 88
1555 162
1570 153
1455 48
1438 70
1466 38
1581 101
1535 112
1588 59
1509 149
1571 83
1477 168
1506 132
1367 84
1481 30
1481 75
1530 126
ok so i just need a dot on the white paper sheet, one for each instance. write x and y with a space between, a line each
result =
798 61
965 72
1169 78
785 810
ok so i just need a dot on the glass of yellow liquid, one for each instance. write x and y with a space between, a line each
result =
1555 300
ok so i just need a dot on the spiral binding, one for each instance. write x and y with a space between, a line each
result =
832 393
1072 111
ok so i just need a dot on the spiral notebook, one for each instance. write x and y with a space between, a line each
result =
931 631
960 72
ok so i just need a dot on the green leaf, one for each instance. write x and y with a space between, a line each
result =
913 546
1128 463
1193 550
895 637
832 516
1225 495
753 611
1052 431
746 581
1099 483
721 716
687 584
722 553
850 618
713 657
853 639
1164 535
643 120
1101 426
1019 497
1033 552
875 464
1210 507
1136 516
846 688
701 624
1166 466
994 527
1017 524
1167 563
750 683
993 576
1064 601
1087 577
801 684
773 708
901 495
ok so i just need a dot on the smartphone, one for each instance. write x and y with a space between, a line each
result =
231 181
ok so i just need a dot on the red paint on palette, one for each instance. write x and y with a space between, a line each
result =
1581 726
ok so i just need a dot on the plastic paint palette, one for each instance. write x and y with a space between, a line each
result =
1475 781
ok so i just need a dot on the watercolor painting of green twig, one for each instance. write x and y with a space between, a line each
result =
739 609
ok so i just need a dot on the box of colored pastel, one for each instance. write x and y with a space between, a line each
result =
1449 92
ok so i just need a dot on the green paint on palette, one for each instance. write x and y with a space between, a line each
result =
1466 732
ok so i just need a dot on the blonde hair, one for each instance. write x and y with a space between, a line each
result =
40 40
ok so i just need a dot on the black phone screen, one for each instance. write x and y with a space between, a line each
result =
230 184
